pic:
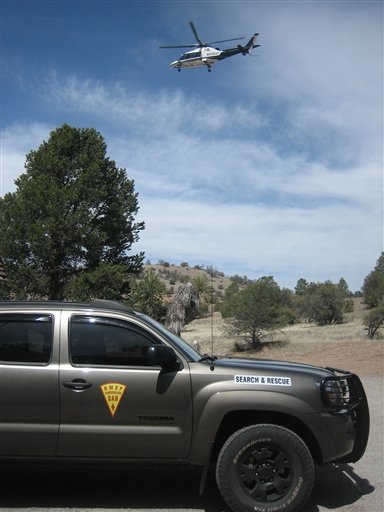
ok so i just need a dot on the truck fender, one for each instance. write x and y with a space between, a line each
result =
221 403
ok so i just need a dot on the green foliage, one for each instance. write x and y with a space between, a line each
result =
107 281
203 290
379 267
373 287
240 280
289 310
231 290
374 320
348 306
322 303
343 287
72 213
148 295
301 287
254 309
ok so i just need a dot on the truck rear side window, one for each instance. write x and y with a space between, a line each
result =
25 338
106 341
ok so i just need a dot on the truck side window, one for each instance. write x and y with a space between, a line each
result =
25 338
107 341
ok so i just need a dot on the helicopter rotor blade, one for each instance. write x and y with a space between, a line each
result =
191 24
181 46
199 43
226 40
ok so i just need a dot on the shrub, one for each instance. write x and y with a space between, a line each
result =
322 303
374 320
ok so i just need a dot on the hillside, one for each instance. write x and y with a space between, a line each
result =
175 275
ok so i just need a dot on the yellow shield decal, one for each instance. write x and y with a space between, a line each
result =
112 391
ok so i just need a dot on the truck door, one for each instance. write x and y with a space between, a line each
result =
29 393
113 404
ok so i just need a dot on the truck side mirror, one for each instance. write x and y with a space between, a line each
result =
161 355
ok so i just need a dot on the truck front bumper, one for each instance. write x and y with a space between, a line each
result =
347 403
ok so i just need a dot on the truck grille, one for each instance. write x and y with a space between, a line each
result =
344 393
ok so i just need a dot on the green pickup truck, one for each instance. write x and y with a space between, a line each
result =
98 382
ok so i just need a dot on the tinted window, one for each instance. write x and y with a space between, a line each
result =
104 341
25 338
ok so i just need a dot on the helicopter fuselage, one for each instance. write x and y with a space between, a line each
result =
205 56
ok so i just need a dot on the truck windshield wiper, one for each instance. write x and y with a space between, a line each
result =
207 358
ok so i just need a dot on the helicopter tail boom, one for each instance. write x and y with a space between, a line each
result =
250 45
244 50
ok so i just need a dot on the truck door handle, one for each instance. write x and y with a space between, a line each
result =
77 384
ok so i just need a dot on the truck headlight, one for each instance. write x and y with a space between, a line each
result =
337 393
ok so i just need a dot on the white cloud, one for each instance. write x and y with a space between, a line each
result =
321 50
160 114
16 141
322 64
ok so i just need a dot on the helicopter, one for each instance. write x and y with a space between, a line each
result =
205 55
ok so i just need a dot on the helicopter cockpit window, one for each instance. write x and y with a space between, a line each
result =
191 55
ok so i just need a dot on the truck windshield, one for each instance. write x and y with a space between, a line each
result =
179 343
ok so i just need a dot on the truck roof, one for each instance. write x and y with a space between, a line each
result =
95 304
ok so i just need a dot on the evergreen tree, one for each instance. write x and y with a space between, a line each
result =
373 287
343 287
301 286
254 309
73 214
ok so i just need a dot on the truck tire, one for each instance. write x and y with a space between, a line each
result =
265 467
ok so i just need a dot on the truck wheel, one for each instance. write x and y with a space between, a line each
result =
265 467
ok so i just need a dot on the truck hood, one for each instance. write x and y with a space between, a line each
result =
270 365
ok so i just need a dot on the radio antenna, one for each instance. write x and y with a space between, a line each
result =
212 308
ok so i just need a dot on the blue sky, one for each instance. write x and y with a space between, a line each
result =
272 164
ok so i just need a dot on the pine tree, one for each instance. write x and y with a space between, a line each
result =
72 214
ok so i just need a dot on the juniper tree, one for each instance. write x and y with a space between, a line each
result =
373 287
252 311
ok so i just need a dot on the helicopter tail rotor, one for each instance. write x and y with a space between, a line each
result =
243 50
249 46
